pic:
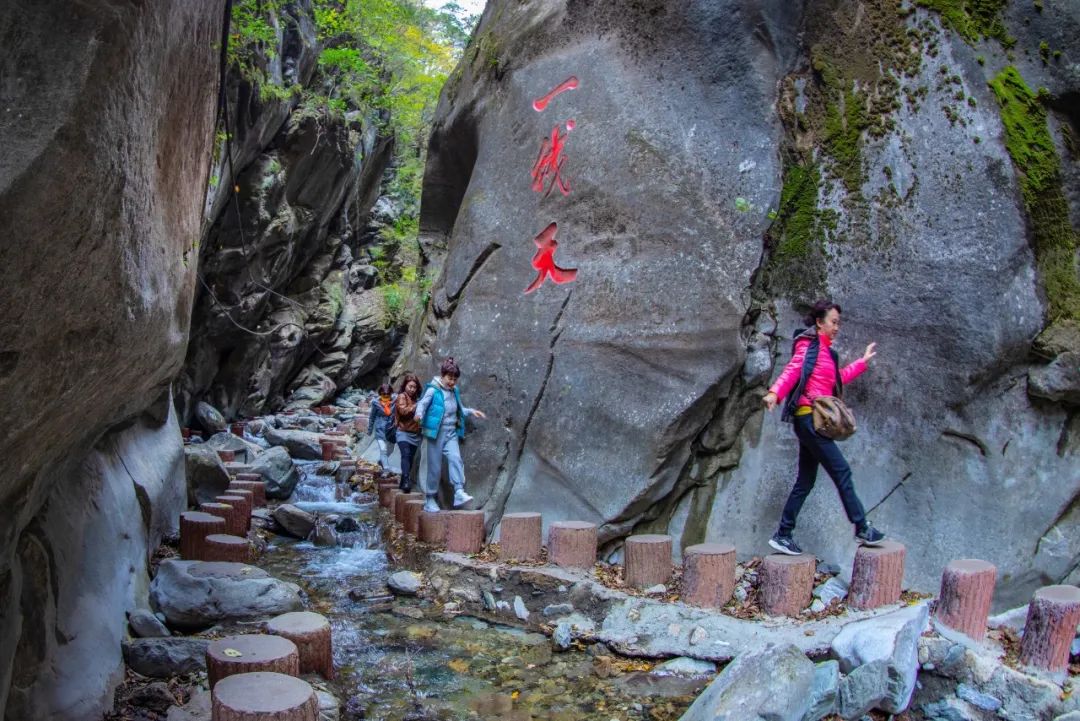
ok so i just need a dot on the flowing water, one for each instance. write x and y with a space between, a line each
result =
404 660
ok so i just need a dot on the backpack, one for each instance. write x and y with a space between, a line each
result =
832 418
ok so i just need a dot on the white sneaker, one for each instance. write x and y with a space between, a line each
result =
431 506
461 497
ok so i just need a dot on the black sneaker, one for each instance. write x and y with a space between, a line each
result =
869 536
785 544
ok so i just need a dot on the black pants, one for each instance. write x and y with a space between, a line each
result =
815 450
408 453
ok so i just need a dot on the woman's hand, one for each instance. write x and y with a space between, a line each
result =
479 414
869 353
769 400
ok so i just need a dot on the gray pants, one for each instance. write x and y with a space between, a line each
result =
446 444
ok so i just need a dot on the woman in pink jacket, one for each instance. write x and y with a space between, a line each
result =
813 350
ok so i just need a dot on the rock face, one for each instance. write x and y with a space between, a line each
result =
195 594
101 190
707 199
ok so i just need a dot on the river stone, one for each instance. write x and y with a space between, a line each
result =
197 594
210 418
295 521
951 709
519 609
770 685
557 609
207 476
278 471
300 444
145 624
246 451
888 647
404 583
865 688
834 588
685 666
977 698
824 691
164 657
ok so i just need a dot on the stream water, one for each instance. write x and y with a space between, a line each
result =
402 659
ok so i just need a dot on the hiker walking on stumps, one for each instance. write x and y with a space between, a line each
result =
408 428
442 417
381 424
814 373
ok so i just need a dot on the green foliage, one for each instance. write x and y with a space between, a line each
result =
973 19
394 305
843 138
1031 147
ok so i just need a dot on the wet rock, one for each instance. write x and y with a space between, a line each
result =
773 684
685 666
489 600
206 474
195 594
347 524
145 624
404 583
210 418
324 534
557 609
300 444
164 657
824 691
562 636
295 521
468 595
278 471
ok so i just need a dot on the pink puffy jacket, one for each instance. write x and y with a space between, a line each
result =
822 379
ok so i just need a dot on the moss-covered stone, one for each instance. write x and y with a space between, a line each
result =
1031 147
796 265
973 19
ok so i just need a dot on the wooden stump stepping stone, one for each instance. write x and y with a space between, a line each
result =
237 429
195 526
787 583
1053 615
387 495
967 588
521 536
877 578
257 488
250 652
647 560
708 574
264 696
411 516
241 516
432 527
223 547
311 634
230 513
464 531
249 501
248 477
399 504
572 544
226 456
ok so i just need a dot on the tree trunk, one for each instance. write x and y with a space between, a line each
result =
521 536
647 560
877 577
1052 617
399 504
311 634
967 588
572 544
241 515
256 653
195 526
787 583
257 488
264 696
708 574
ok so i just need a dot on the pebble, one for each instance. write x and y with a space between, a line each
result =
562 635
658 589
519 609
817 606
557 609
977 698
489 601
698 635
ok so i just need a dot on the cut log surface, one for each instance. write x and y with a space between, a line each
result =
240 516
250 652
195 526
967 588
877 578
787 583
464 531
411 515
223 547
257 488
248 477
647 559
399 504
708 574
387 494
264 696
521 536
1053 615
226 511
433 527
311 634
572 544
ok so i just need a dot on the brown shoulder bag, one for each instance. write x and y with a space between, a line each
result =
832 418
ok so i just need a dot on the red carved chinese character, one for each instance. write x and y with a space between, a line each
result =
544 260
570 83
549 162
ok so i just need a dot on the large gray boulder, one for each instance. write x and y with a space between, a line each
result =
164 657
300 444
210 418
773 685
146 625
206 475
278 471
197 594
245 451
296 522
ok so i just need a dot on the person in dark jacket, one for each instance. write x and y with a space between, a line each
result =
408 428
381 424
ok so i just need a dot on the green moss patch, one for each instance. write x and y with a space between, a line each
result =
973 19
797 237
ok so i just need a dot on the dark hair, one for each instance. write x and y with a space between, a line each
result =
450 368
385 389
410 376
819 310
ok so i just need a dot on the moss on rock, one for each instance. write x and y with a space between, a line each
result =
973 19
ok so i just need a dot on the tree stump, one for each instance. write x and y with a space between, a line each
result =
708 574
226 456
432 527
195 526
521 536
248 477
311 634
257 488
223 547
241 517
967 588
1053 615
399 504
877 577
411 515
264 696
249 500
230 513
787 583
237 429
386 496
328 449
257 652
647 560
572 544
464 531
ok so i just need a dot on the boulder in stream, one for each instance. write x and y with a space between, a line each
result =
300 444
206 474
210 418
146 625
277 469
295 521
196 594
164 657
404 583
